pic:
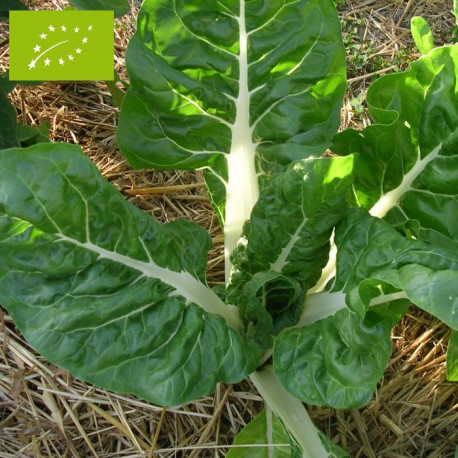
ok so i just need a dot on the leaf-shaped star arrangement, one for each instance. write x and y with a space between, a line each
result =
68 42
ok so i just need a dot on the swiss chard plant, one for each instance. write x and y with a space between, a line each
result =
324 253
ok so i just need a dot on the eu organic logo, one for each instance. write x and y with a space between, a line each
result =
61 45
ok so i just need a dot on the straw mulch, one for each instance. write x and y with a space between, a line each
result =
44 412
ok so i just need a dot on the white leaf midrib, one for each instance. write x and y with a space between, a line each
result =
281 260
184 284
242 189
388 200
385 203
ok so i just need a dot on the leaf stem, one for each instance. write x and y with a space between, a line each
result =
321 305
291 412
242 187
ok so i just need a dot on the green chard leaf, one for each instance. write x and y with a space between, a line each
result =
406 166
267 429
5 84
8 5
422 34
13 133
412 154
337 361
374 260
404 173
239 89
100 288
8 123
285 244
29 135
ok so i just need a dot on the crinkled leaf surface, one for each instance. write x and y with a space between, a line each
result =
232 87
98 287
285 243
405 171
336 361
374 257
290 226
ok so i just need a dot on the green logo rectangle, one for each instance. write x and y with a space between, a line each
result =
61 45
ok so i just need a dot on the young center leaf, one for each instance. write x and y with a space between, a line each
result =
99 287
236 88
285 244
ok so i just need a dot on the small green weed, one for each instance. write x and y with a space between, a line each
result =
357 104
362 57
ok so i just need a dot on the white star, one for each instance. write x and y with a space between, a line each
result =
43 36
84 40
31 65
63 28
90 27
78 51
37 48
70 57
47 62
61 61
76 29
51 28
